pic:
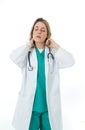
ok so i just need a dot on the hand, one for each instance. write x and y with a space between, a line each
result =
32 42
52 44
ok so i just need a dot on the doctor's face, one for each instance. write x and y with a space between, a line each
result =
40 32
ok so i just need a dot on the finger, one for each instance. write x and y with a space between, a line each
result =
32 42
48 42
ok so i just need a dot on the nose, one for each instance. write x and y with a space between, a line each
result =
39 31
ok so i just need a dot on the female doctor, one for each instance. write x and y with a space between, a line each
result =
39 104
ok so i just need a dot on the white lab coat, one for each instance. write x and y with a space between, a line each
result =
22 115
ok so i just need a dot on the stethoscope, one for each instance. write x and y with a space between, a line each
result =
49 55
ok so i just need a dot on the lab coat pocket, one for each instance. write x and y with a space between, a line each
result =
21 110
21 105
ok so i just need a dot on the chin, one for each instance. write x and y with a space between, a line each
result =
38 41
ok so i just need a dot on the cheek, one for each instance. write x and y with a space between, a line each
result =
34 35
44 36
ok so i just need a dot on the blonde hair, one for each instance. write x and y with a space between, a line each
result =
46 24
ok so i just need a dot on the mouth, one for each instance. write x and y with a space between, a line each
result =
38 36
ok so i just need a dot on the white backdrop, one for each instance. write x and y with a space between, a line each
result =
67 21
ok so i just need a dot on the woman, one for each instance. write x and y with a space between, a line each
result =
39 105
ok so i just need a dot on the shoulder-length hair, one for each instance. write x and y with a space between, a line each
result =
46 24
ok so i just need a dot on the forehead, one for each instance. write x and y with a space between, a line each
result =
40 24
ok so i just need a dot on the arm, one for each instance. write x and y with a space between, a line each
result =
62 57
18 55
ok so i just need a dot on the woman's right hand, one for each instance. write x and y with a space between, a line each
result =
32 42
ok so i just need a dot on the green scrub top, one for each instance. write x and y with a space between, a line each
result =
40 103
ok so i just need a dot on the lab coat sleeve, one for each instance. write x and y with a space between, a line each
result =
63 58
18 55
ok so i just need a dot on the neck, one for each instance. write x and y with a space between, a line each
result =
40 45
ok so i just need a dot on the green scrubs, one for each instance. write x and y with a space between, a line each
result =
39 117
39 121
40 103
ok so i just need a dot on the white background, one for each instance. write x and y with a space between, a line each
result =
67 21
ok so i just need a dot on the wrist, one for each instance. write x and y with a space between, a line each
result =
57 46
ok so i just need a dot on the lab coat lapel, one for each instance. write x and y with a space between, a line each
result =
46 63
34 60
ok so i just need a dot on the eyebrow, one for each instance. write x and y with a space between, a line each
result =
41 27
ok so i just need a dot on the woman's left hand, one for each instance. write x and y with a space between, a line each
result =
52 44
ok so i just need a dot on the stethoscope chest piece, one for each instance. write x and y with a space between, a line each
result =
30 68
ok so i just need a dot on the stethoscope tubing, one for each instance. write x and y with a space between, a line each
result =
30 67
